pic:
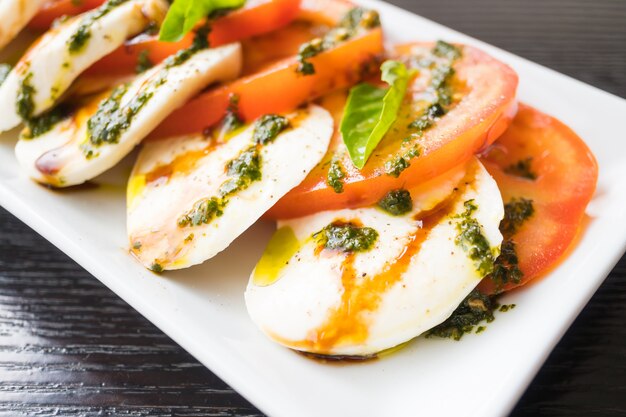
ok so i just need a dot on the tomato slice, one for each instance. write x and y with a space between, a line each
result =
54 9
483 106
326 12
279 87
261 51
565 171
255 18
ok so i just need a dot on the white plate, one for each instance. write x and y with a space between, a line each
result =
203 310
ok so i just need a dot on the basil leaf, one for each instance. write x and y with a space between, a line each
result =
371 111
183 16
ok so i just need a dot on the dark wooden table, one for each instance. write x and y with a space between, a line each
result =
70 347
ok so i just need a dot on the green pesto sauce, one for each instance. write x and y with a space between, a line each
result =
428 118
506 307
355 21
232 121
399 163
346 237
111 119
106 124
268 127
335 176
200 42
5 70
397 202
472 240
516 212
243 170
37 126
25 102
506 266
522 168
203 212
143 62
442 72
79 39
474 309
440 63
445 50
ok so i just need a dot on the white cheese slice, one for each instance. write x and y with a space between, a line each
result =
172 176
49 67
65 156
333 303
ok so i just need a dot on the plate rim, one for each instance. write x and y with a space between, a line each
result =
35 220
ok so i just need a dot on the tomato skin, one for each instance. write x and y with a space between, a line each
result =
480 119
278 88
255 18
54 9
567 173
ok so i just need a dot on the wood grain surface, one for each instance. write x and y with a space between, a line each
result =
70 347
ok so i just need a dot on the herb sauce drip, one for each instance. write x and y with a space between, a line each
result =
439 100
399 163
352 24
268 127
506 267
37 126
516 212
203 212
25 107
232 121
79 39
474 309
473 241
397 202
242 171
144 63
335 176
441 64
522 168
346 237
25 101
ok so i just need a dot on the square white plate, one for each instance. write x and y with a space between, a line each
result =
203 310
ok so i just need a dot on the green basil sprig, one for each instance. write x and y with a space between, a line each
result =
183 16
371 111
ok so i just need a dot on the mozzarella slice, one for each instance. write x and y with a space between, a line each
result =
330 302
14 15
47 70
67 156
171 178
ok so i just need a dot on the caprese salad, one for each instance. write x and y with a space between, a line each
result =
408 185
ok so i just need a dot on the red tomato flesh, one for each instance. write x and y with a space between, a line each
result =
255 18
485 109
566 175
279 87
